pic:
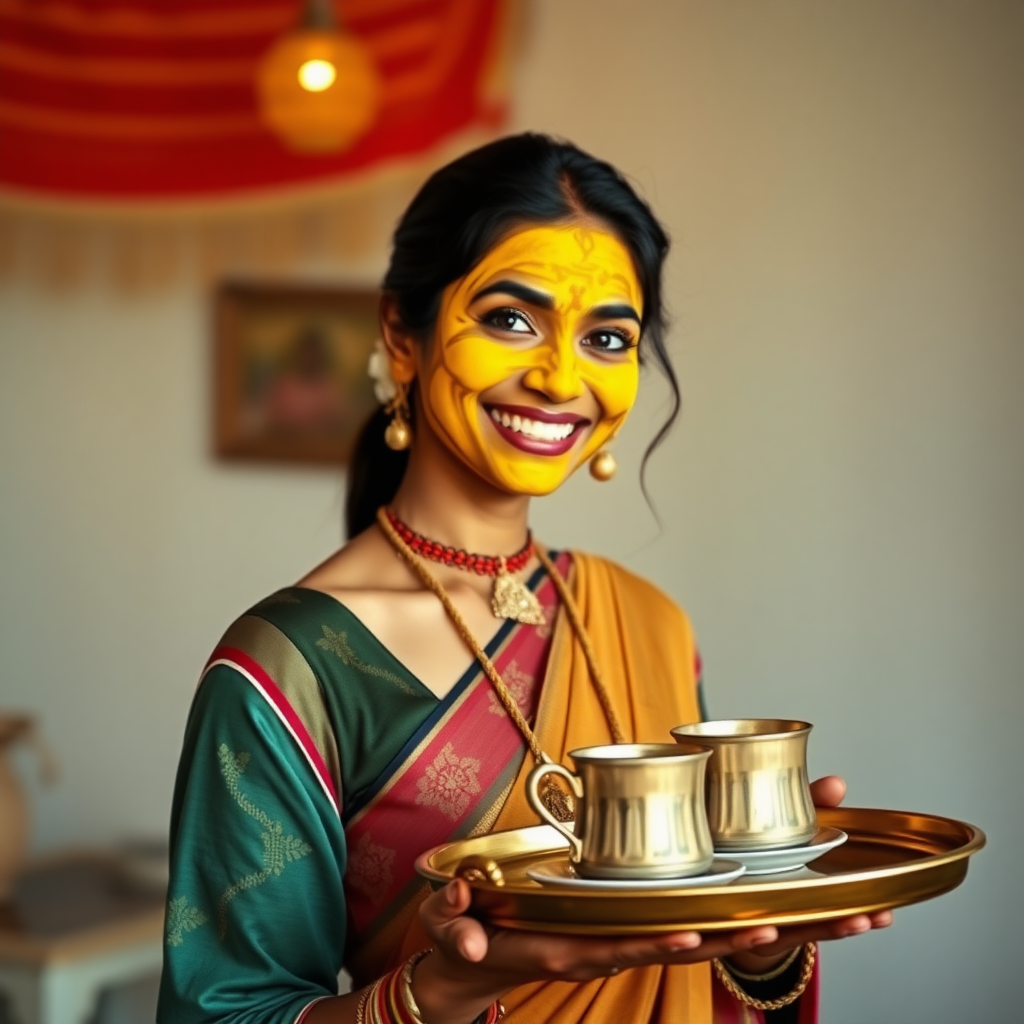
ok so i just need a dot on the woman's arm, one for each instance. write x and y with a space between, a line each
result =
256 922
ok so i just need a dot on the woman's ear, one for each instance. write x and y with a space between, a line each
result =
401 346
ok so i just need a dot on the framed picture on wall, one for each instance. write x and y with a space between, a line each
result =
291 382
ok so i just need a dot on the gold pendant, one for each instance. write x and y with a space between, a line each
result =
512 599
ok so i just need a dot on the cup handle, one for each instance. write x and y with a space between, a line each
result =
533 781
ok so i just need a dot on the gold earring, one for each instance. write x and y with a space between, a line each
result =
398 433
603 466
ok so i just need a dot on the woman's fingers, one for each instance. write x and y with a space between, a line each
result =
719 944
469 938
443 917
826 931
596 957
828 791
446 904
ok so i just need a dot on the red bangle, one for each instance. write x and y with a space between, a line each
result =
492 1014
390 1000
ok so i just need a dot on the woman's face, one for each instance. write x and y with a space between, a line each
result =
534 361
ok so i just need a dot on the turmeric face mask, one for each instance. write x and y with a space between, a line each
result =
533 365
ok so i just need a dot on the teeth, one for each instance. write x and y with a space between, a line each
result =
536 429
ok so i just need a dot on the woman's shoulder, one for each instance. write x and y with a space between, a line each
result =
292 611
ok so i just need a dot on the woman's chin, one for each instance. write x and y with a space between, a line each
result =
533 481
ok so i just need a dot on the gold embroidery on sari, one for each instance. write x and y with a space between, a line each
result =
337 643
182 918
278 849
449 784
369 869
520 685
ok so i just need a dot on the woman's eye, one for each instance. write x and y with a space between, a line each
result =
507 319
609 341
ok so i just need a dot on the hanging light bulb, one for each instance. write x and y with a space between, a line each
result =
318 88
317 75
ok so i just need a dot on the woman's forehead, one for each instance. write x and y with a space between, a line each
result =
567 259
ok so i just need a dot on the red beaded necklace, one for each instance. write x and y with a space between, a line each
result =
510 599
483 565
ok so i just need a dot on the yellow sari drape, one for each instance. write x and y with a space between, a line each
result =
645 650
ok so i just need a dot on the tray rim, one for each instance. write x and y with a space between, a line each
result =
972 839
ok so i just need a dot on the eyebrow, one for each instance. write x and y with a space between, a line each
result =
607 311
616 311
518 291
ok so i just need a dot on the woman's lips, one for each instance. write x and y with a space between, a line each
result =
534 430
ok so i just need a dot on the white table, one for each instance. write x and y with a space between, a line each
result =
75 928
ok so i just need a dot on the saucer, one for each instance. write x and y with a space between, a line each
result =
561 873
771 862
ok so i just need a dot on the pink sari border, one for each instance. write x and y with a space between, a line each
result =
460 760
260 679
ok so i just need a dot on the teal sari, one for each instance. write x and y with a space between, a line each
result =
315 769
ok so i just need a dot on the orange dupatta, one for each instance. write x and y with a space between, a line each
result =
644 647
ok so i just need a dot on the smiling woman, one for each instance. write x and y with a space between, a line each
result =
338 730
534 365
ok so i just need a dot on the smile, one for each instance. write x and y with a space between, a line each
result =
535 431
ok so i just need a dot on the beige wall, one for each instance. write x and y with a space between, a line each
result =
842 499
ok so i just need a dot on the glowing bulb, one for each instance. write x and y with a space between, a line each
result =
317 75
319 92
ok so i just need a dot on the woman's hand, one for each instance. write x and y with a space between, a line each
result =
474 964
826 792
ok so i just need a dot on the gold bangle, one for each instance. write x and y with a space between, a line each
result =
408 1000
769 975
364 998
722 973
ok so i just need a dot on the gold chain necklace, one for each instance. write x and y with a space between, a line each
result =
559 802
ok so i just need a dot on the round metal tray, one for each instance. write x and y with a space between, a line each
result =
891 858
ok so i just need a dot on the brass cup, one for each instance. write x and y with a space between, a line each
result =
640 810
758 796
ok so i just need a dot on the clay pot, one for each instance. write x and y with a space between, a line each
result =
14 812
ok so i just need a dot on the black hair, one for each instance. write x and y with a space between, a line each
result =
459 214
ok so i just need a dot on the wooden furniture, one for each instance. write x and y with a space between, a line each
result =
75 925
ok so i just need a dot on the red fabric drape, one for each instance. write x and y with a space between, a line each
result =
155 99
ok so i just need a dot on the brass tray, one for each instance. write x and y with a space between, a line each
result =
891 858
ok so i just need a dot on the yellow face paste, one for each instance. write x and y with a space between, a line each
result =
544 324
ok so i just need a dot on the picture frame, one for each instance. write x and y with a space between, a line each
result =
290 371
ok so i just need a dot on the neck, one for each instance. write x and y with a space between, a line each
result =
443 499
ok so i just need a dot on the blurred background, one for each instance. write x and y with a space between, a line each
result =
840 506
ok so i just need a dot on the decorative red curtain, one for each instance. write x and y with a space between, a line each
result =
155 99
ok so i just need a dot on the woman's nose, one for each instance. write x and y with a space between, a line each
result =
556 375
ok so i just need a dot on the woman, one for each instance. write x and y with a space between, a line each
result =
337 731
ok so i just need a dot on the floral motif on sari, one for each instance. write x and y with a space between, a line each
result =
338 643
369 869
449 783
520 685
182 918
279 849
